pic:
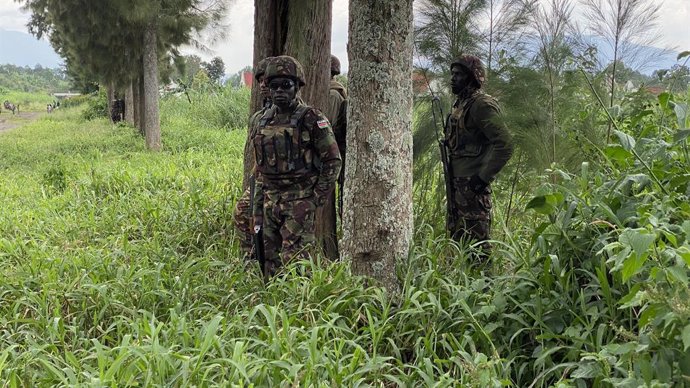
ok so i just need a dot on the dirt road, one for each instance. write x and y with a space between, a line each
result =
9 121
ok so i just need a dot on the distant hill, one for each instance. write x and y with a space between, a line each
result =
22 49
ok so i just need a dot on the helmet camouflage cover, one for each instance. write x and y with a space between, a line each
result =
261 68
335 65
474 65
285 66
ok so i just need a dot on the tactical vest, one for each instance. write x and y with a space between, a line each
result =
284 148
464 142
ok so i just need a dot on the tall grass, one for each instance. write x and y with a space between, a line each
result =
119 267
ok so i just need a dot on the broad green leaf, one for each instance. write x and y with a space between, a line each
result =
617 153
626 141
640 240
664 98
543 204
681 135
681 111
684 253
682 55
587 370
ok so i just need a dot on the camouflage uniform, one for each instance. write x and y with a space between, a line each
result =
242 216
480 145
326 226
297 163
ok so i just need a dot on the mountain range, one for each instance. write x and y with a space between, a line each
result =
22 49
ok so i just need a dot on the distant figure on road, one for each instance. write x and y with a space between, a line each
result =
10 106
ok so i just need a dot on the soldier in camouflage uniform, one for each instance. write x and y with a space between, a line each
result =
479 146
242 216
297 164
336 112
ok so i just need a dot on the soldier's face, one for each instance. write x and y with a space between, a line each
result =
459 79
263 88
283 91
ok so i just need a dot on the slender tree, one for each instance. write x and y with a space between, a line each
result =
629 27
377 217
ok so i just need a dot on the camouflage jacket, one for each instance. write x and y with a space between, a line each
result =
297 157
479 141
337 113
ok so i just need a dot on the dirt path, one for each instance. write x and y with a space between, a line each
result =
9 121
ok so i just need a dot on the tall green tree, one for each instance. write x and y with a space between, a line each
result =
215 69
629 27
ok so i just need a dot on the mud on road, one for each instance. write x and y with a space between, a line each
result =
9 121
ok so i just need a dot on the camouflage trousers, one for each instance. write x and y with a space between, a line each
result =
288 229
471 219
242 218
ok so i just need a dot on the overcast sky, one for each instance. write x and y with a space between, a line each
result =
236 49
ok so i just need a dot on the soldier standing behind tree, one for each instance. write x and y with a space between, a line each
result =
242 216
297 164
479 146
336 112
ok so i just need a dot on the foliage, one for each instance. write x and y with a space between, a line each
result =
215 69
38 79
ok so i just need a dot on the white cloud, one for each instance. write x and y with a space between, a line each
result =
236 48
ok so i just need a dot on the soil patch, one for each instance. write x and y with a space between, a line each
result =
9 121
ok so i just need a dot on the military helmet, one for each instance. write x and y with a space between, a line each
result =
335 65
285 66
474 65
261 68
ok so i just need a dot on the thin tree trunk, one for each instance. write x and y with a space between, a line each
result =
141 105
129 104
377 217
151 119
110 95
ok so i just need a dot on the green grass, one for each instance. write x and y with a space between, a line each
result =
28 102
119 267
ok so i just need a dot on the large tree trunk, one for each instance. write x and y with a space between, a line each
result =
268 42
129 104
152 127
309 41
377 216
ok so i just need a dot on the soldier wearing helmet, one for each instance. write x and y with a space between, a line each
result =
479 147
336 112
242 215
297 164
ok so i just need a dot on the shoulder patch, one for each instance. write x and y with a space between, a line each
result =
322 123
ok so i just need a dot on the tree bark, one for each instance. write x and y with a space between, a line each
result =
110 95
142 104
129 104
269 41
377 217
151 120
309 41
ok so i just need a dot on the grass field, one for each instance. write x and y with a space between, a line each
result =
118 267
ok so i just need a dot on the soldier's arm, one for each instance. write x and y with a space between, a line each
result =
326 148
487 116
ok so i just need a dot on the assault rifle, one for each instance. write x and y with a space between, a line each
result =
258 236
444 150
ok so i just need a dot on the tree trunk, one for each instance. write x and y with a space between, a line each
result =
309 41
268 42
110 95
142 105
377 216
151 120
129 104
302 29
